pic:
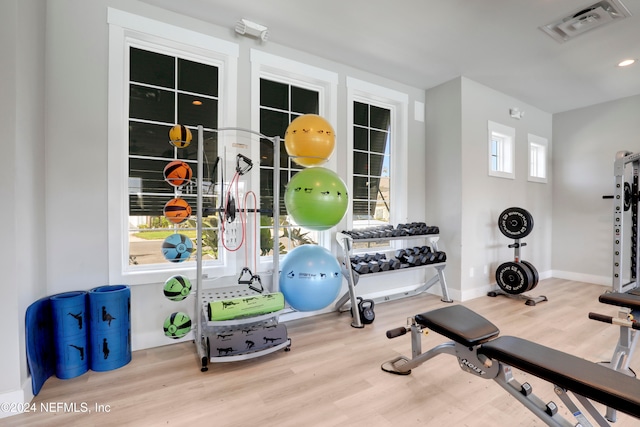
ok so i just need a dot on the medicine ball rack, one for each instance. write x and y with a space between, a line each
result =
517 276
345 240
208 331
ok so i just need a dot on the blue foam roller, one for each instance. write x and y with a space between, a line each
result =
70 333
110 317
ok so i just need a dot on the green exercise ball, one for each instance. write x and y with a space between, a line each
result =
316 198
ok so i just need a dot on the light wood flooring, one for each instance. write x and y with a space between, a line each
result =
332 375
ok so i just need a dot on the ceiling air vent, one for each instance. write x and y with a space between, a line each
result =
586 19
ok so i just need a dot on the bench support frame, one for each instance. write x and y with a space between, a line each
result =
479 365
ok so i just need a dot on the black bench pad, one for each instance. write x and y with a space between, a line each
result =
621 299
460 324
596 382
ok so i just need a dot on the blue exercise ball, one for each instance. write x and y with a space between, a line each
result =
310 278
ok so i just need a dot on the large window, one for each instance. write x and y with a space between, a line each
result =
371 164
280 103
284 90
154 84
377 119
165 89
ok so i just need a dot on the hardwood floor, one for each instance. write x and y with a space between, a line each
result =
332 375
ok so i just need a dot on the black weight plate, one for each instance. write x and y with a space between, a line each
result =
515 223
513 277
536 276
627 196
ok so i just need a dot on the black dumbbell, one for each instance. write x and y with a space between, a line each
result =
379 256
433 229
429 257
361 267
414 258
355 259
394 264
374 267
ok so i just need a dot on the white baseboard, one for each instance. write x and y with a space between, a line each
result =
16 399
579 277
476 292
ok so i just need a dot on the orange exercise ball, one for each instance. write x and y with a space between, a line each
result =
309 140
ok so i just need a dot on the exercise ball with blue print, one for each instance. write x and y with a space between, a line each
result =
316 198
310 278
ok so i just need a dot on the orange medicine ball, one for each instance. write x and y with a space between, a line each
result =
177 210
177 173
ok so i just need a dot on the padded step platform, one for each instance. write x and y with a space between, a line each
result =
593 381
460 324
620 299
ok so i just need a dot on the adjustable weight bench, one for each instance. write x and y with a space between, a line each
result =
629 310
481 352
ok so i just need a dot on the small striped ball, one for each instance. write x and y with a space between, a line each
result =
177 173
177 288
177 248
177 325
177 210
180 136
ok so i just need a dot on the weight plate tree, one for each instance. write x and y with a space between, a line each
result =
517 276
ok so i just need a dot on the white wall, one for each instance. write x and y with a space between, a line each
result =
443 111
586 142
465 200
10 380
22 259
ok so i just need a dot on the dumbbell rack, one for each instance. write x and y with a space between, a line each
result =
346 243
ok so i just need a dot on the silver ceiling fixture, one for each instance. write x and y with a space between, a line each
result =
586 19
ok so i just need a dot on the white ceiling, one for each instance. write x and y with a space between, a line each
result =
423 43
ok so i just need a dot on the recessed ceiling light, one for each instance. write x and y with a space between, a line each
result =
626 62
196 102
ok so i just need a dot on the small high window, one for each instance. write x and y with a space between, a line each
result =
501 150
537 158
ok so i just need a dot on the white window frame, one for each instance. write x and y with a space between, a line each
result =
398 103
506 137
538 159
124 29
276 68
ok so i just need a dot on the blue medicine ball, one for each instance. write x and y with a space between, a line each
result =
177 248
310 278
